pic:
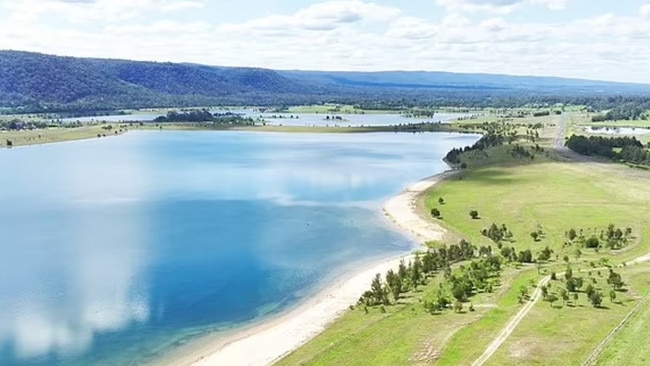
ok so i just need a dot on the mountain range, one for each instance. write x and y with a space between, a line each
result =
38 82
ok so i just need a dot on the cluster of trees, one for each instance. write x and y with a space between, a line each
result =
497 134
498 233
574 284
632 110
16 124
601 146
612 237
635 154
204 115
479 276
519 151
415 273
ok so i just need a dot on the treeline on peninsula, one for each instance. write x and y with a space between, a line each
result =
497 134
204 115
622 148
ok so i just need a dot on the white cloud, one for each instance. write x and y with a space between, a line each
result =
553 4
497 6
318 17
645 11
342 35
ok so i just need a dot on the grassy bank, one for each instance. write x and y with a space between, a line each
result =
540 195
57 134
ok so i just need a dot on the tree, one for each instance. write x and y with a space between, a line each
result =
473 214
394 283
592 242
534 235
525 256
564 294
551 298
615 280
612 295
402 272
596 298
10 143
568 274
378 291
572 234
458 292
435 212
577 253
441 201
416 271
458 306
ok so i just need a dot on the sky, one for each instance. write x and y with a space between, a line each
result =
592 39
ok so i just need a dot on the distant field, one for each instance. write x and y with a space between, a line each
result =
336 109
50 135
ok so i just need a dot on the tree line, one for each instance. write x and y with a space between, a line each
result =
204 115
632 150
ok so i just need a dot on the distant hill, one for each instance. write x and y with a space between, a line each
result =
448 80
38 82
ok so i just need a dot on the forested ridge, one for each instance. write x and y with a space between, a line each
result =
32 82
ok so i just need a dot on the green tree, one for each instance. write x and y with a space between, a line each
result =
378 291
564 295
534 235
473 214
394 283
572 234
596 298
435 212
615 280
612 295
441 201
551 298
458 306
568 274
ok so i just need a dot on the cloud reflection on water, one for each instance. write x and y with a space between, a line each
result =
69 274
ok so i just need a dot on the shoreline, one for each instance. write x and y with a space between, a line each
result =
269 341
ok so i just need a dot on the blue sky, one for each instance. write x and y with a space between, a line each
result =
597 39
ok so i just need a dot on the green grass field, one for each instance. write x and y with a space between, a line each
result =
525 195
629 345
566 334
406 333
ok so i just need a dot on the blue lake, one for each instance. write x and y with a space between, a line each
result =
289 119
114 251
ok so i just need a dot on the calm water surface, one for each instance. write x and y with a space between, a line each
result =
115 250
289 119
635 131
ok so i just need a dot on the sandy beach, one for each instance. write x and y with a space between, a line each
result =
265 343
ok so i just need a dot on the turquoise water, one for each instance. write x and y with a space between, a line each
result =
115 250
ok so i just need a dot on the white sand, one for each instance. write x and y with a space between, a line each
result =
266 343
